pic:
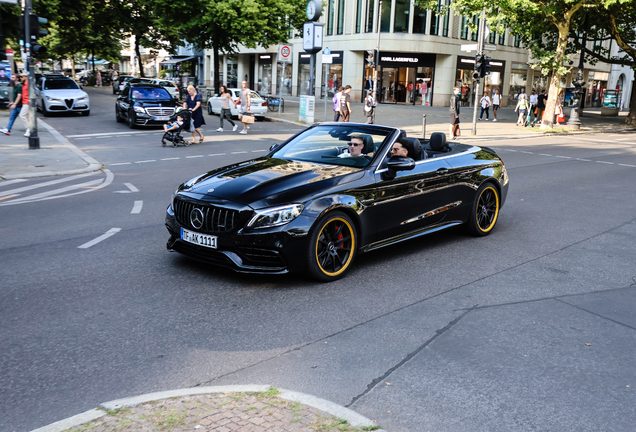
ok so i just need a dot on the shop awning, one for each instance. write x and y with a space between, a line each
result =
173 61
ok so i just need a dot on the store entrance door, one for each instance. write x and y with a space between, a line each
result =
397 85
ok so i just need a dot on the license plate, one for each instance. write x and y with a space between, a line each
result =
198 238
162 118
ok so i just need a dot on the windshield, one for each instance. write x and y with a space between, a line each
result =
60 84
150 93
166 84
331 145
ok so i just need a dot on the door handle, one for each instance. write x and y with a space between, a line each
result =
442 171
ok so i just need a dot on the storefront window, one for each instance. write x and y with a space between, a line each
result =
341 16
424 86
284 79
334 79
517 84
465 82
419 20
401 19
370 15
232 71
303 79
265 75
385 25
404 78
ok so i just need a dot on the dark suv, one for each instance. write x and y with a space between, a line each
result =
144 105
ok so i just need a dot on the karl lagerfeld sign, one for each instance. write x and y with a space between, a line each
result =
397 59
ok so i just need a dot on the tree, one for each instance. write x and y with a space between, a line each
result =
223 25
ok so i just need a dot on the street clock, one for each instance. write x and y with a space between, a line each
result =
314 10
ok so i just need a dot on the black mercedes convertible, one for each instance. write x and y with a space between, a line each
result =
316 200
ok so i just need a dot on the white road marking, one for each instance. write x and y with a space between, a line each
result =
109 233
605 162
137 207
258 151
146 161
131 187
564 157
626 165
543 154
174 158
526 152
583 160
49 183
197 156
599 140
105 133
120 163
239 152
217 154
8 182
58 191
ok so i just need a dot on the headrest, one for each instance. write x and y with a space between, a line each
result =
369 147
437 141
413 146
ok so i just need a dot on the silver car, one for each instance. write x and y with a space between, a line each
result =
258 104
57 93
170 86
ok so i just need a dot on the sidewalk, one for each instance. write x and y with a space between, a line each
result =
56 156
410 118
248 408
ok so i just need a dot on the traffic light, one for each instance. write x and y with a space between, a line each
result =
479 62
485 64
370 58
35 32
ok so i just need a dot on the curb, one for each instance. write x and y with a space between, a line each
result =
352 417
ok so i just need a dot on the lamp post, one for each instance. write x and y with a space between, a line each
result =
574 122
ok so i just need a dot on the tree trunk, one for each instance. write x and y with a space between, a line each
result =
138 52
73 66
550 106
217 84
631 117
93 55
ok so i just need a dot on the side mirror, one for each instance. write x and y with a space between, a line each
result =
274 146
395 164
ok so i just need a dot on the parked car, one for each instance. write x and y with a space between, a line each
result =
57 93
258 104
144 105
330 192
170 86
120 82
134 80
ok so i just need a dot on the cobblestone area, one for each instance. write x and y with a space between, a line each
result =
220 412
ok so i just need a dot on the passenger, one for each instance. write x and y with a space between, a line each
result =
173 126
401 148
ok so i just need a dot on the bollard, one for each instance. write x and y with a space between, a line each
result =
424 126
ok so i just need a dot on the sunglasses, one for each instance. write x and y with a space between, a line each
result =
395 149
355 144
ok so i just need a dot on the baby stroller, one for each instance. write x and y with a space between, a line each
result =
174 136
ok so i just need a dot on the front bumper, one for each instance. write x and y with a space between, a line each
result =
274 250
66 105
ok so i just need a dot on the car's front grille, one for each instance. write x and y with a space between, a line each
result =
160 111
68 102
261 257
215 219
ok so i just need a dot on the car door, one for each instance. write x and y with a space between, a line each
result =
413 200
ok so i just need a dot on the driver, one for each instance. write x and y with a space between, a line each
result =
356 146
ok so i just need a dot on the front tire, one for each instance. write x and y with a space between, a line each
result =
131 120
332 247
485 210
209 109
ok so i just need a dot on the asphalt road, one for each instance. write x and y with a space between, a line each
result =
530 328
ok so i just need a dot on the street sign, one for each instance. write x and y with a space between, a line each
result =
490 47
285 53
326 51
327 59
469 47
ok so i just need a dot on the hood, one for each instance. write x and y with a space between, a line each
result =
155 103
266 182
64 94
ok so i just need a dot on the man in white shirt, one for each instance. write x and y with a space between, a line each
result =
485 105
534 99
496 103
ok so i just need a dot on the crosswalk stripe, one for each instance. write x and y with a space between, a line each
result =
110 232
58 191
137 207
49 183
10 182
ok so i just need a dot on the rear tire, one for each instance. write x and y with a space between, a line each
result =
332 247
485 210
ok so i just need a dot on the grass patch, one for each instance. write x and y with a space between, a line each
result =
555 130
169 419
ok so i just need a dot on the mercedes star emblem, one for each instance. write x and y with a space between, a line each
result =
196 218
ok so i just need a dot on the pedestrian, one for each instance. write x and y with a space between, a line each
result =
560 115
541 105
226 112
521 108
24 111
485 103
454 113
245 100
345 105
369 107
14 106
522 93
336 104
534 100
98 80
496 103
193 103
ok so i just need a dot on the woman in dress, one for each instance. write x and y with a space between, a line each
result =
193 103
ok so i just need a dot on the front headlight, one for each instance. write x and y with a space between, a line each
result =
49 98
275 216
174 194
83 99
139 109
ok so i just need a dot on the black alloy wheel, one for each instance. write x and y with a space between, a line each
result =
332 247
131 119
485 211
117 115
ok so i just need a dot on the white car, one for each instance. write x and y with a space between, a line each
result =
57 93
170 86
258 104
